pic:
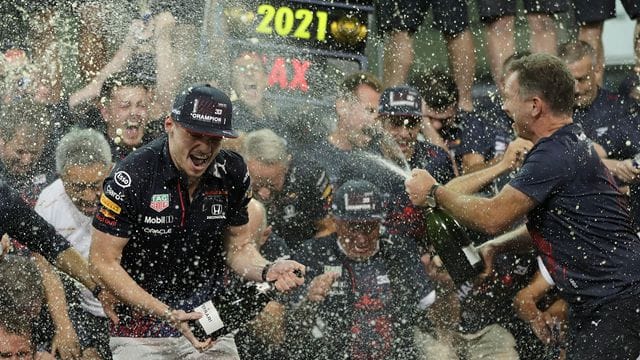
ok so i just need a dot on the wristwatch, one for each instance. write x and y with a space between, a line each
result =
96 291
431 197
265 270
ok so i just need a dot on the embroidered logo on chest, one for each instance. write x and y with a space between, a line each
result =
159 202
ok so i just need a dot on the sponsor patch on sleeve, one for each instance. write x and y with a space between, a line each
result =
109 204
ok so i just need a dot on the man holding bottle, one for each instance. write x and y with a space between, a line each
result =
577 219
172 215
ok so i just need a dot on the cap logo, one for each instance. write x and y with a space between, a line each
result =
401 99
358 202
206 110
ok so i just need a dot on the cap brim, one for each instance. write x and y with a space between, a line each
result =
229 134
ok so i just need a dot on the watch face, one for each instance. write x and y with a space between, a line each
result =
431 201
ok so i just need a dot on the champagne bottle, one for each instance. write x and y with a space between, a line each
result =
229 311
452 244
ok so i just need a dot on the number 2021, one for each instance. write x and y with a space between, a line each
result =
282 20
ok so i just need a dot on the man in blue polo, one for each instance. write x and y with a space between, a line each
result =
577 219
172 216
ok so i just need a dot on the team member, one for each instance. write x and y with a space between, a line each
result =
462 133
577 218
400 115
369 289
172 216
295 191
83 160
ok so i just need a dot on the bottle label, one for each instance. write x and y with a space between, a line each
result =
211 320
472 254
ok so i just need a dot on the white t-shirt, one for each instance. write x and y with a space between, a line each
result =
55 206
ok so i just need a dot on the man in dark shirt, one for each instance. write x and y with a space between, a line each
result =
172 216
295 191
598 110
251 111
369 290
577 219
460 132
400 115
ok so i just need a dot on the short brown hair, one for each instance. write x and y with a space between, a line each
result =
546 76
350 83
571 52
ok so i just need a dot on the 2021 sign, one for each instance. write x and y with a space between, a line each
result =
296 23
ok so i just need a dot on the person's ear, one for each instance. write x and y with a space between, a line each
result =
537 107
168 124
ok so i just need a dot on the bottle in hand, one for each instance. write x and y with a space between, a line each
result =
228 312
452 244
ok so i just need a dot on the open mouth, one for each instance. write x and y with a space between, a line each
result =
199 160
132 130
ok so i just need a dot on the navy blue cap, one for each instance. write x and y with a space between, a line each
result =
205 110
400 101
357 200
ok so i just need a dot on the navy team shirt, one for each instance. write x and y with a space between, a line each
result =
602 116
175 248
371 309
581 224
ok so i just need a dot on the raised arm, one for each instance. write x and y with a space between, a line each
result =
473 182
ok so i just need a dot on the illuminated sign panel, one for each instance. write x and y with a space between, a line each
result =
333 26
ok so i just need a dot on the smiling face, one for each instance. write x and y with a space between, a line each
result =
83 185
359 239
126 114
586 89
191 153
358 115
267 180
517 108
404 131
249 79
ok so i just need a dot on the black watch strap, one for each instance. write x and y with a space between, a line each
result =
265 270
96 291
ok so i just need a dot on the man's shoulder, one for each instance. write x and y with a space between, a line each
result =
318 250
430 149
228 163
144 156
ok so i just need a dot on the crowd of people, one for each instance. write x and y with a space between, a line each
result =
159 184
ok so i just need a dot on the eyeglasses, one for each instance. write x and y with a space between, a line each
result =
407 122
78 187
